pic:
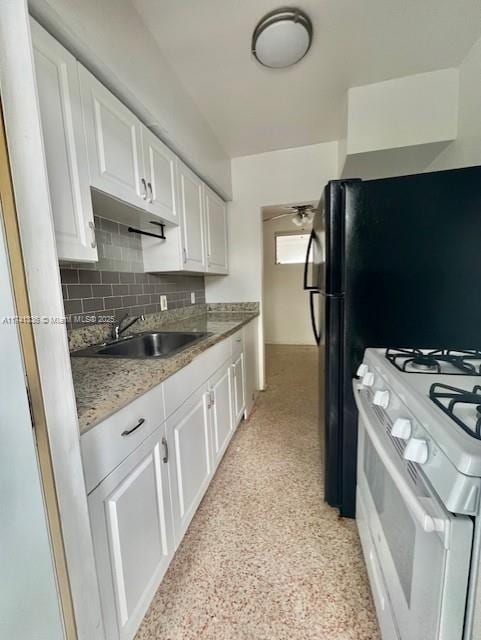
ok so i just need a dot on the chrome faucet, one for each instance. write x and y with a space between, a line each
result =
117 328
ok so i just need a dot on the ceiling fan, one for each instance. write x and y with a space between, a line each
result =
301 214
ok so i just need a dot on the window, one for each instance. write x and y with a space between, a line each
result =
291 248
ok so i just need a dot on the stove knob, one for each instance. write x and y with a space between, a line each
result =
368 379
402 428
381 399
362 370
416 451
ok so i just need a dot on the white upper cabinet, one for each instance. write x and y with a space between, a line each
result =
192 220
216 232
114 142
160 167
65 147
93 140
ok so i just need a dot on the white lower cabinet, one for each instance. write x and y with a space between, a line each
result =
221 411
238 386
131 522
190 465
142 499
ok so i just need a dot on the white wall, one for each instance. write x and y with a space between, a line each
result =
400 126
466 149
413 110
278 177
109 37
29 605
286 305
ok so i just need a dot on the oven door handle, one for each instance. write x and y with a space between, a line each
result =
426 521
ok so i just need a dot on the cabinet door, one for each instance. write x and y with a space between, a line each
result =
192 220
114 143
65 147
221 412
238 389
161 172
131 522
216 232
190 465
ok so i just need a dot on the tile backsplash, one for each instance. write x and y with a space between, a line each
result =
116 284
117 248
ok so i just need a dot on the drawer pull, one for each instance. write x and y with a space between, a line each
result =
166 450
127 432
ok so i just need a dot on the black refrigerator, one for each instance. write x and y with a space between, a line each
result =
394 262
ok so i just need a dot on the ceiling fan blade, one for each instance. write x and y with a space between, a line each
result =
300 208
282 215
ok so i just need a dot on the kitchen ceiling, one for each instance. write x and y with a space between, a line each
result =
252 109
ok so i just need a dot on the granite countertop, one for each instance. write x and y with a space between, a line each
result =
105 385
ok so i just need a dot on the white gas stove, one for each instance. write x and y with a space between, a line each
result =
419 488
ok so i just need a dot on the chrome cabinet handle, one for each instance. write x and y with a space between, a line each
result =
166 450
127 432
184 253
144 189
151 199
93 242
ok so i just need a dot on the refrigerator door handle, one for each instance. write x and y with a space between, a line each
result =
316 331
308 287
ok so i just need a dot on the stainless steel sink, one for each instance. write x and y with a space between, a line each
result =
158 344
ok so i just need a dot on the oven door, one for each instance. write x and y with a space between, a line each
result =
423 551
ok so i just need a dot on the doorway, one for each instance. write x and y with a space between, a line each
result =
286 230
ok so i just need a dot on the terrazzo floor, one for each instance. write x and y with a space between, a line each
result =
264 558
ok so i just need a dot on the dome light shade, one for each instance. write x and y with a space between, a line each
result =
282 38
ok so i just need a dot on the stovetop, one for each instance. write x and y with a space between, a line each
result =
436 361
446 403
460 401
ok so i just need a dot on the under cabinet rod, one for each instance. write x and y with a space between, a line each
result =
160 236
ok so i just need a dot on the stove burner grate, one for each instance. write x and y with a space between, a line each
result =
417 361
439 392
425 363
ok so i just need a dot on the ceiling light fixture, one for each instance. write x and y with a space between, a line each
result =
282 38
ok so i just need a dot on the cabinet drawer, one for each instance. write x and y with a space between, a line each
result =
237 343
182 384
108 443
